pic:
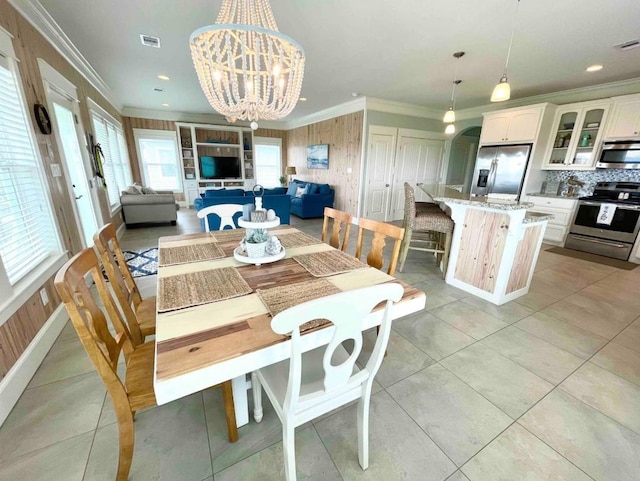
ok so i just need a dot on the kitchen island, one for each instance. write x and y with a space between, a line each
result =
495 244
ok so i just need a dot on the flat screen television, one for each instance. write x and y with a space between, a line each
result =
220 167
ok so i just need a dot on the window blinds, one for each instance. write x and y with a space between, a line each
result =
117 171
27 232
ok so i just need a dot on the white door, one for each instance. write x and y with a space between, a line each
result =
67 132
381 153
418 161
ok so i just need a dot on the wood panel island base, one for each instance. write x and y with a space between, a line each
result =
494 248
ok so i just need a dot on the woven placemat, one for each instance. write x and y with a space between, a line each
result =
169 256
322 264
228 235
195 288
297 239
281 298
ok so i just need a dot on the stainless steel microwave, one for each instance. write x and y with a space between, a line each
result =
623 154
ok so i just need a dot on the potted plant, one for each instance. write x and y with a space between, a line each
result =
256 243
283 180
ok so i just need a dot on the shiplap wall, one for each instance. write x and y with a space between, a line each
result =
18 331
344 136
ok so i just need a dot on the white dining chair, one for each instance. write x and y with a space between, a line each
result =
312 383
224 211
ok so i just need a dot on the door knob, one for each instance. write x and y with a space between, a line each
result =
78 196
386 185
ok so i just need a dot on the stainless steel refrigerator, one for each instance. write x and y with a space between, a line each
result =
500 170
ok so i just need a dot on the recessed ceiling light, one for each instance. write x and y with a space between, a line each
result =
158 89
165 105
303 99
354 94
594 68
163 77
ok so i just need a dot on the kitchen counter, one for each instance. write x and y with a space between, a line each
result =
553 196
495 244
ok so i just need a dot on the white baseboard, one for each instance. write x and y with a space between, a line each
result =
121 230
15 382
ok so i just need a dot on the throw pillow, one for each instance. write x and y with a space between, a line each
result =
293 187
132 190
300 191
314 189
324 189
148 190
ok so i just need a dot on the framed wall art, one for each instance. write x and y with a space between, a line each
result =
318 156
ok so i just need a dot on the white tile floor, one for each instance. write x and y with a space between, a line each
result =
547 387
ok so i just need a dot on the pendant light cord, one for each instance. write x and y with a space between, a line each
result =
513 28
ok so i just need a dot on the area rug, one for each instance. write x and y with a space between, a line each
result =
586 256
143 262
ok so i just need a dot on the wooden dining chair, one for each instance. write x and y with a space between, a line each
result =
224 211
381 231
340 220
315 382
139 313
135 391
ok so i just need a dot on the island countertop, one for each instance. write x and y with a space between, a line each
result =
443 193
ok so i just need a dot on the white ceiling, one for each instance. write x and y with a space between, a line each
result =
400 51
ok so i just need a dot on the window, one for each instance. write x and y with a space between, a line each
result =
268 161
28 234
158 158
115 164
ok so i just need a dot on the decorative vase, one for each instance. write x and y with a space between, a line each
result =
256 250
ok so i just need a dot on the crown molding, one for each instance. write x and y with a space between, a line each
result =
350 107
190 117
401 108
44 23
580 94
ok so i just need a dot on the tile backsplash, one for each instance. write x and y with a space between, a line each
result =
590 177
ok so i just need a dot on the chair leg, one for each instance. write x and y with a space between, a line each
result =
256 387
404 248
289 450
363 430
447 249
229 411
127 441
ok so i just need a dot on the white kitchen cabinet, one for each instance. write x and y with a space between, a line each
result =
511 125
625 118
578 132
562 210
635 252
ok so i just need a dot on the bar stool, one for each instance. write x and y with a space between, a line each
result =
435 227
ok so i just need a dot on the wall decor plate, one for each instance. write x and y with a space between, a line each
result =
42 118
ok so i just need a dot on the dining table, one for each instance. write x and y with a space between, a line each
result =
214 311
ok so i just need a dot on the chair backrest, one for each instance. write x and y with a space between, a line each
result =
124 286
224 211
381 231
346 311
340 219
90 322
409 207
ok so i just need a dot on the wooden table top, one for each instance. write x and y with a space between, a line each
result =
198 337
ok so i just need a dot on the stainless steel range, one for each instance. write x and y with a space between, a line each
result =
607 222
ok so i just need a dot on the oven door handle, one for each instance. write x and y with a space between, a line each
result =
618 206
597 241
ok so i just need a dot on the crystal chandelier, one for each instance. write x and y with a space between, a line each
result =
247 69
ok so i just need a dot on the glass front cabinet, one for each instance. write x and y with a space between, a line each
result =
577 134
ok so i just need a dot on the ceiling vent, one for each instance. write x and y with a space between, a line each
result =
150 41
628 45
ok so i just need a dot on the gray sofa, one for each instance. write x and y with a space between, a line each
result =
143 208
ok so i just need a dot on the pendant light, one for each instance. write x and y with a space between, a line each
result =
450 115
502 91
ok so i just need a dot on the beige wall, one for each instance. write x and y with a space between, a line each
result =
344 136
19 330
